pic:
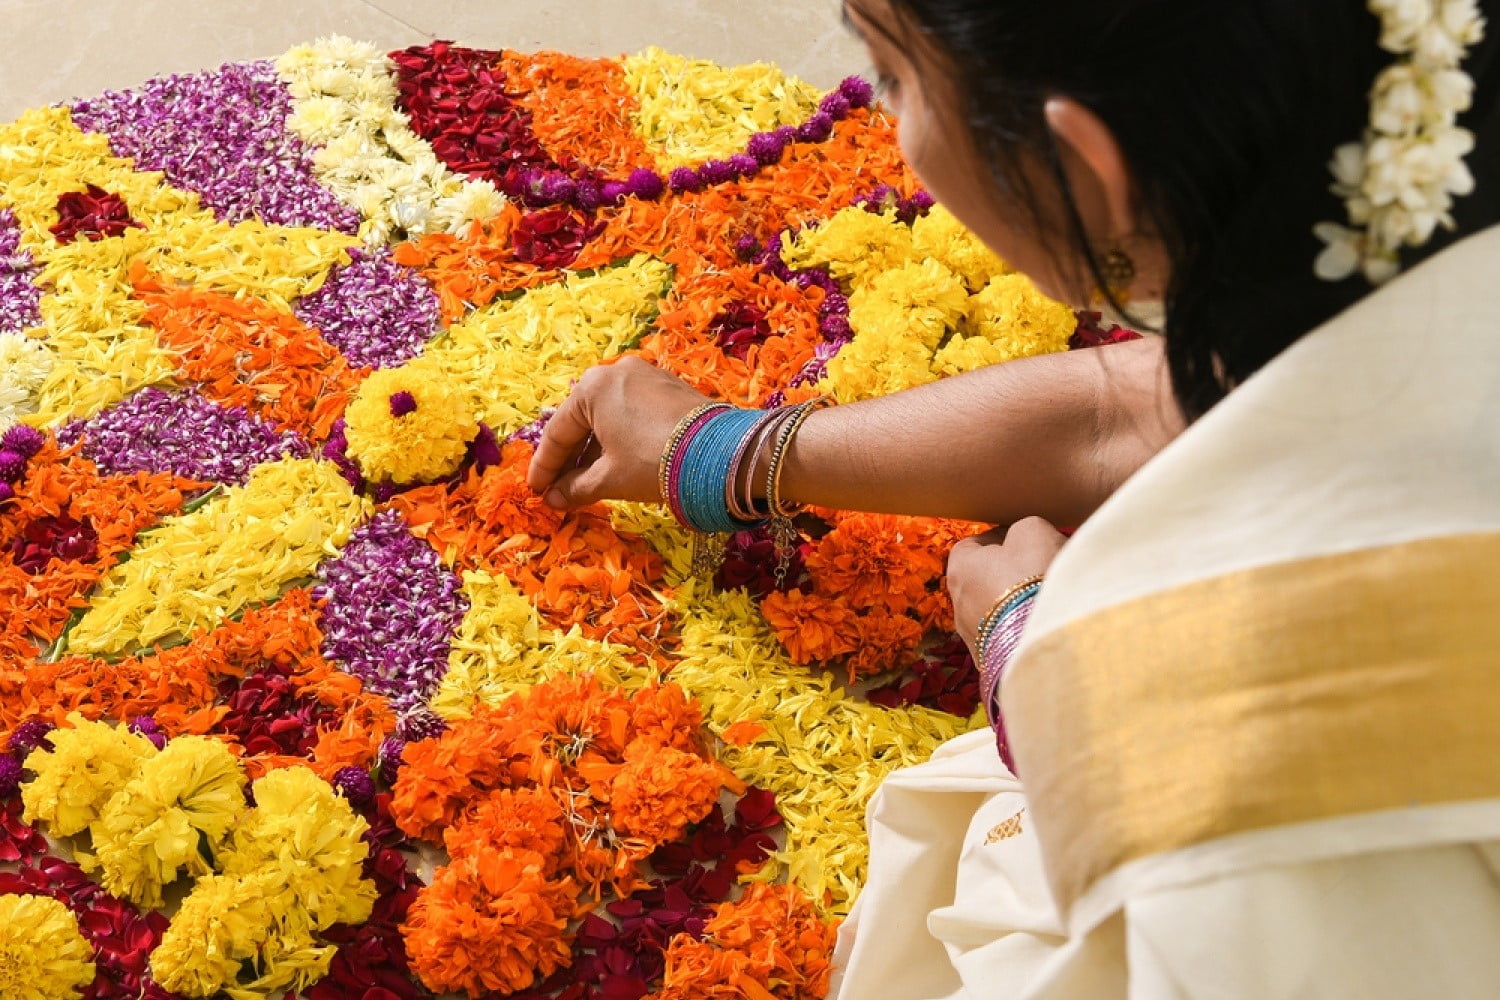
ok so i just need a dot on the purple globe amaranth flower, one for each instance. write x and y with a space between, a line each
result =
389 759
378 313
29 735
184 433
766 147
144 725
816 129
922 201
612 192
7 492
645 183
391 608
834 303
403 403
716 172
835 106
484 450
12 465
587 196
354 784
421 723
10 775
744 164
747 247
836 327
23 440
858 91
685 179
557 188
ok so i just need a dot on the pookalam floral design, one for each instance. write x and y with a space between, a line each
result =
302 690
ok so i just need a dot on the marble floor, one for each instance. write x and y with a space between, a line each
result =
56 49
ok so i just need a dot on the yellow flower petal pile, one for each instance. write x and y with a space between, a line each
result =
151 830
104 351
926 301
291 870
424 445
43 955
25 363
344 101
502 649
691 110
242 548
521 356
824 752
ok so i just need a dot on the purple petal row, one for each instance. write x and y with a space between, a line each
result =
183 433
378 313
223 134
19 296
392 609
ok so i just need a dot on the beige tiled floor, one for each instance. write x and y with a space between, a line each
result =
56 49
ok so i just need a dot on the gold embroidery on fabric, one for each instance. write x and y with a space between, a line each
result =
1284 694
1004 831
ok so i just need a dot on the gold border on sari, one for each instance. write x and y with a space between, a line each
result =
1288 693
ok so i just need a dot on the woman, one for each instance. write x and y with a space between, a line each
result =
1254 702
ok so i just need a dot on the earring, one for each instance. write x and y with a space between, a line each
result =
1118 271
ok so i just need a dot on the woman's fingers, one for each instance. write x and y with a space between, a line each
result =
567 433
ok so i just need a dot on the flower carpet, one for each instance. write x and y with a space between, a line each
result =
302 690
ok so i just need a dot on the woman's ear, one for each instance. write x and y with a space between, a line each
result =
1105 186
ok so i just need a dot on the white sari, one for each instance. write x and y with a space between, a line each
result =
1257 706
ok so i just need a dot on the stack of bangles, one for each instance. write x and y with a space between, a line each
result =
707 472
999 634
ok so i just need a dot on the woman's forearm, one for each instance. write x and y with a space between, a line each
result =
1051 436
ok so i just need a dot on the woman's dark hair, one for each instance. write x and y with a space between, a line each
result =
1228 112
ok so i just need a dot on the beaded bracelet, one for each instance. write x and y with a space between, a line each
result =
997 610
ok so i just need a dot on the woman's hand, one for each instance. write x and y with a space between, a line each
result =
982 568
605 441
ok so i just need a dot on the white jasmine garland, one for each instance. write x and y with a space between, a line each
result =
344 102
1398 185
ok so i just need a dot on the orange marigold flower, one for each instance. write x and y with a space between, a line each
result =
526 819
664 715
491 920
813 628
877 561
771 945
661 791
440 778
886 641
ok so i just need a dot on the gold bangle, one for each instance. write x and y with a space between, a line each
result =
778 453
986 624
664 467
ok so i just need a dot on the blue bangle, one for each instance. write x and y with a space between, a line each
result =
706 465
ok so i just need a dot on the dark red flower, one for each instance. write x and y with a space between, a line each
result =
56 536
739 327
94 213
268 716
1091 332
18 841
553 238
750 561
945 679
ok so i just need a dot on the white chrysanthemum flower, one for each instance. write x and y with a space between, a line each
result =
477 202
25 363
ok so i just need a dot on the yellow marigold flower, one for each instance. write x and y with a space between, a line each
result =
151 831
290 961
89 762
877 366
690 110
966 354
918 301
223 922
1011 314
941 237
43 955
241 548
309 840
853 244
411 424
